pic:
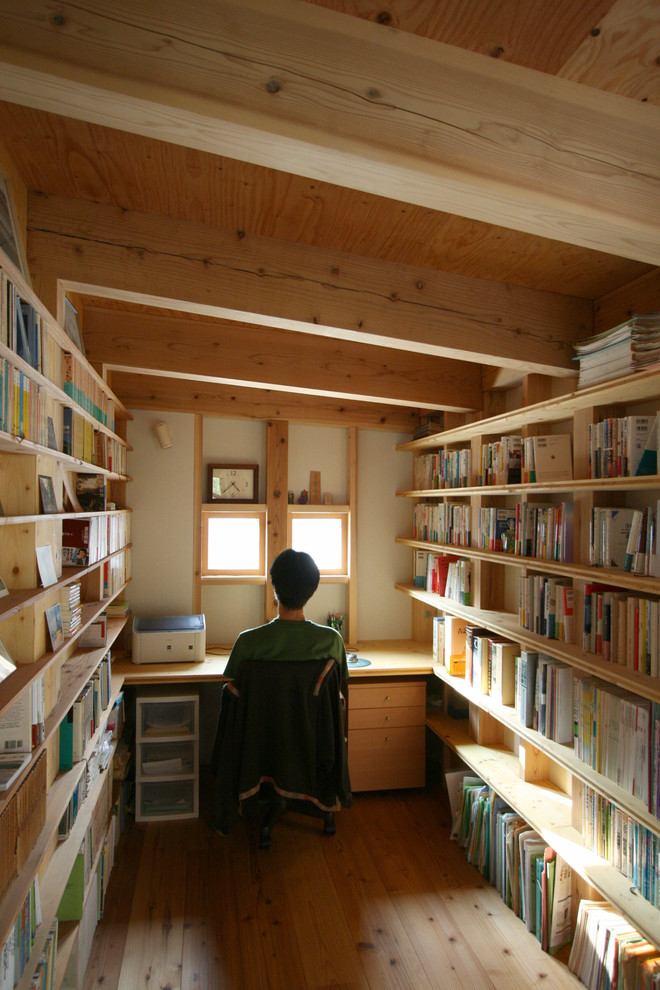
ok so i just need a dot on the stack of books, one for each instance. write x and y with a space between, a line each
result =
631 346
71 607
117 609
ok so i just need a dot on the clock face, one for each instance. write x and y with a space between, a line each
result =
234 483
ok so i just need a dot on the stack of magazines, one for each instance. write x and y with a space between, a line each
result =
631 346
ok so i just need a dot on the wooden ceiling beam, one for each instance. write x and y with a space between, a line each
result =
230 353
182 395
322 94
105 251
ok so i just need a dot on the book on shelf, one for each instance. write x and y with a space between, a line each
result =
7 665
503 671
11 767
46 565
454 643
526 666
22 724
90 490
96 633
75 542
439 639
553 460
629 347
610 529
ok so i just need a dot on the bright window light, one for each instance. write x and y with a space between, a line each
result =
233 543
323 538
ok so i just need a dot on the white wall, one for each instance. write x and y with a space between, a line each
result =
161 495
383 613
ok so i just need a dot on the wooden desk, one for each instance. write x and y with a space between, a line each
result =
393 657
386 706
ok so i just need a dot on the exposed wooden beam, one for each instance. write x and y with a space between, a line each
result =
322 94
232 353
181 395
106 251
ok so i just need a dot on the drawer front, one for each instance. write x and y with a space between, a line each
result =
387 758
392 695
377 718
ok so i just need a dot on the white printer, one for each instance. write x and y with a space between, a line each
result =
169 638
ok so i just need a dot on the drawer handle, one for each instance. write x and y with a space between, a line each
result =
387 697
387 738
388 718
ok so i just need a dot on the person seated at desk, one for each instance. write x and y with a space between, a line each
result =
272 719
290 636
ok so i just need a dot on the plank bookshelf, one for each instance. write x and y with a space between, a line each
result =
58 418
540 778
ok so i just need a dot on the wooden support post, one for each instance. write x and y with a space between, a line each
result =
485 729
350 619
198 498
534 765
277 484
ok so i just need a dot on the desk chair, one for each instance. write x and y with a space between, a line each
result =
280 745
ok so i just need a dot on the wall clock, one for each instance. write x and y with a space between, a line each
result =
233 483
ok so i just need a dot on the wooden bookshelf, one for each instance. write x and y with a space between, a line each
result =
25 455
495 578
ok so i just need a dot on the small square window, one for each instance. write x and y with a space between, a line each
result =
324 536
233 543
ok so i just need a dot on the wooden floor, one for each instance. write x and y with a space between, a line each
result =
388 902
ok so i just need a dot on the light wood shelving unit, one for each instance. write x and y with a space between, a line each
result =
541 779
23 627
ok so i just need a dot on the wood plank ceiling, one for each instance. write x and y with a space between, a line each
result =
394 225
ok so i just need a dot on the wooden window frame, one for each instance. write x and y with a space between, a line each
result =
214 510
342 513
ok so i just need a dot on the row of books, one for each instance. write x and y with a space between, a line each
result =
71 608
530 877
17 949
545 606
629 347
88 540
529 529
43 977
81 721
633 849
624 537
21 327
23 405
609 954
442 522
80 439
624 447
500 462
622 627
22 725
83 388
116 572
617 733
442 469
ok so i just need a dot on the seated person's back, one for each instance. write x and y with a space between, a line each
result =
290 636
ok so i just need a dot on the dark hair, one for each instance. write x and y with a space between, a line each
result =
295 578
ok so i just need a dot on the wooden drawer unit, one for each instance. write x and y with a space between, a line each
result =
386 734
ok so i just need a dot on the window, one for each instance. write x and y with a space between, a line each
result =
323 535
233 543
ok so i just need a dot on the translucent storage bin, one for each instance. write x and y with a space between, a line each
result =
167 759
166 719
167 799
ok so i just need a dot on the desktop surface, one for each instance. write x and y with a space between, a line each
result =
399 658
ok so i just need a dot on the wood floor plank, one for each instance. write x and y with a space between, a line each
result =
327 946
153 951
389 903
267 932
387 955
109 941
